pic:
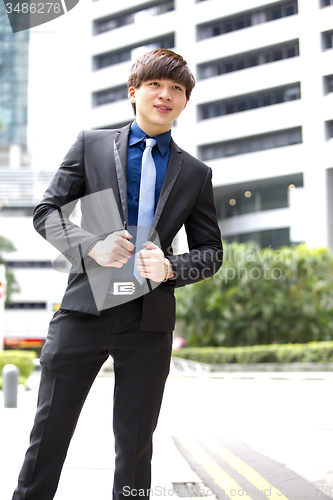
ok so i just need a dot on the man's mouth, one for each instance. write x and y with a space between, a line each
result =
163 109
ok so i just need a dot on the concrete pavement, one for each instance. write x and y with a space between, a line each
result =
233 410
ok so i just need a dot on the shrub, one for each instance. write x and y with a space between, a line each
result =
22 359
316 352
261 297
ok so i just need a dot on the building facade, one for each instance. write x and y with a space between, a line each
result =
14 64
261 115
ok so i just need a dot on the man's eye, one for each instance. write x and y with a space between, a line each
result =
154 83
178 88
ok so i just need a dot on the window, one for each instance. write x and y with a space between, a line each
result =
251 144
109 95
26 305
113 22
247 19
248 59
251 197
111 58
23 264
266 100
327 40
108 24
326 3
329 129
273 238
328 84
250 101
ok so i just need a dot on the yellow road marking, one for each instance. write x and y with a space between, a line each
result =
221 477
250 474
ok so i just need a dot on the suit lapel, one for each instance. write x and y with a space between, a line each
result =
172 172
120 156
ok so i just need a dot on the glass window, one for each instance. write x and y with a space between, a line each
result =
278 55
112 58
266 100
328 81
110 95
242 106
240 24
108 24
250 59
228 67
279 97
250 101
328 40
274 197
276 14
248 18
252 144
291 52
273 238
290 11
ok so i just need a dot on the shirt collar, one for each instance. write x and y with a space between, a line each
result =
137 135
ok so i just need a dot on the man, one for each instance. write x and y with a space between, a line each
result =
119 300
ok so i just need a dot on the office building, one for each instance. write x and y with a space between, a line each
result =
261 115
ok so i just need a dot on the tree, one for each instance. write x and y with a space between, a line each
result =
12 286
261 296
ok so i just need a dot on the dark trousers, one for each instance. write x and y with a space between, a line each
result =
75 349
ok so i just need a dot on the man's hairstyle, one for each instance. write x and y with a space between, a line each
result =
161 64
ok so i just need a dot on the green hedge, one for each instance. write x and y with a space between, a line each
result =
261 296
22 359
316 352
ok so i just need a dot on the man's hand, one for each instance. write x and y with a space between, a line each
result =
152 264
114 251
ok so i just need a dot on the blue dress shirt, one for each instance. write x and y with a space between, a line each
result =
161 153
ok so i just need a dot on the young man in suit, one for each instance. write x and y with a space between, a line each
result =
120 295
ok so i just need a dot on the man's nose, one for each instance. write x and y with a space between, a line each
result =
165 94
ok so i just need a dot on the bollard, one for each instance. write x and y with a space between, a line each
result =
10 375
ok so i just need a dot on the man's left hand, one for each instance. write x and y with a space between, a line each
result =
152 263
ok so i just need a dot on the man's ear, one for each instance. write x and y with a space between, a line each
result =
185 104
131 94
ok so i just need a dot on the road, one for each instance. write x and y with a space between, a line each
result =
261 428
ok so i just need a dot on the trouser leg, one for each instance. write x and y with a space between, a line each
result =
140 374
68 372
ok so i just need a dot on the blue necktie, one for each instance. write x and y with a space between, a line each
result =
146 200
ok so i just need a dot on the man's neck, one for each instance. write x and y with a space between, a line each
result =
152 131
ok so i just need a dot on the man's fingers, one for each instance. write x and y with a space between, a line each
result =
124 234
149 245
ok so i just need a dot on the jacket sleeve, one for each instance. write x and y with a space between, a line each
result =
51 215
204 240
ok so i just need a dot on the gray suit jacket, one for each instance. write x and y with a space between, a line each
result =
94 171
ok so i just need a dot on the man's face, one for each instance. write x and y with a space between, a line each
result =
158 104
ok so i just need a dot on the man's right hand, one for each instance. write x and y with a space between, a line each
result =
114 251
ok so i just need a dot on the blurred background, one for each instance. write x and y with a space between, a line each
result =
261 116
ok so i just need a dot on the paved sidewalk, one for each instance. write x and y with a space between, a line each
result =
89 466
88 470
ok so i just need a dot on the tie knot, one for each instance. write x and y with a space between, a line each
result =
150 143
